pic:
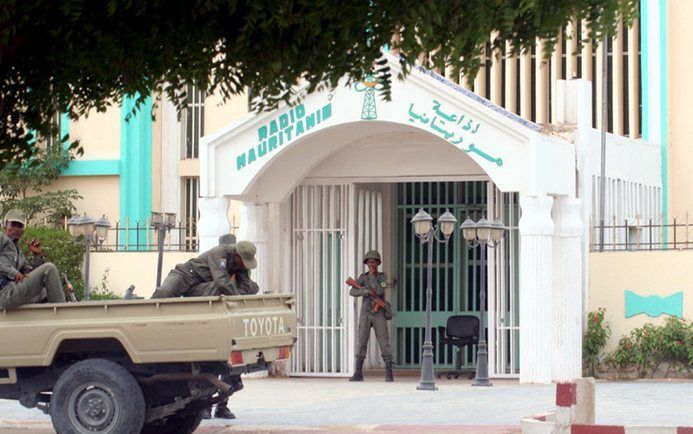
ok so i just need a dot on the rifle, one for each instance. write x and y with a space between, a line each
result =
70 289
378 303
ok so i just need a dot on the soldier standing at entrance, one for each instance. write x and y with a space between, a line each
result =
375 312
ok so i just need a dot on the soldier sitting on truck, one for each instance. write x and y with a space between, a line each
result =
20 282
222 270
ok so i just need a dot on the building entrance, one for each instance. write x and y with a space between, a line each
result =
456 272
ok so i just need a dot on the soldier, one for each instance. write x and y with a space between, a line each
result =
371 286
222 410
21 283
211 272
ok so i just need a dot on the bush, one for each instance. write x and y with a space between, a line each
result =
596 336
61 250
623 358
649 347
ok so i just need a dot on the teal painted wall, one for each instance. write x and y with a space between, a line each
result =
92 168
663 65
64 125
85 167
135 164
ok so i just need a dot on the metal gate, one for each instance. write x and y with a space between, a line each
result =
369 236
456 269
503 299
319 269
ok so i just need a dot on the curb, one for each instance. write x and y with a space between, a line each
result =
542 424
574 414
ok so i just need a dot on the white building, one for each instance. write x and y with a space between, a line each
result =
338 174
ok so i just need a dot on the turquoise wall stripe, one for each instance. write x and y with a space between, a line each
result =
64 125
135 165
644 76
654 305
92 168
663 68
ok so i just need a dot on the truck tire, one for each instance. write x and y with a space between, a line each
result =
175 425
97 396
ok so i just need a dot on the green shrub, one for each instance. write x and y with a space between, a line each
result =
645 348
623 358
649 347
61 250
674 347
596 336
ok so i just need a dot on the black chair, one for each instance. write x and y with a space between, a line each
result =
461 331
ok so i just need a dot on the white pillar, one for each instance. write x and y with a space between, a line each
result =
567 283
575 104
214 221
536 278
254 228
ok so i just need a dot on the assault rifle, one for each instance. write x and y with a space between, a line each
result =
69 288
378 303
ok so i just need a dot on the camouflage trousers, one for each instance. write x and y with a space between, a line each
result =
378 322
179 285
42 282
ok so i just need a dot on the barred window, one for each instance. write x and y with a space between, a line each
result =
55 139
195 121
191 191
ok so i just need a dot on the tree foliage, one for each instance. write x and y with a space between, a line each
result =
22 185
72 56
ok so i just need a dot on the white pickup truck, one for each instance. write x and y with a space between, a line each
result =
139 366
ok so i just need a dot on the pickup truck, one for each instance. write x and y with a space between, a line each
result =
139 366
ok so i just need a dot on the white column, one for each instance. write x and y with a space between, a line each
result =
567 282
577 108
214 221
254 228
536 278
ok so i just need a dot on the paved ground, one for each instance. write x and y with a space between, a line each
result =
335 405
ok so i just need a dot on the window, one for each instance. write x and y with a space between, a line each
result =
191 191
195 121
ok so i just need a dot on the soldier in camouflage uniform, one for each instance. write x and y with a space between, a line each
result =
20 282
222 410
211 273
375 281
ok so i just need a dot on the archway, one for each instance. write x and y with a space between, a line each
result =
432 130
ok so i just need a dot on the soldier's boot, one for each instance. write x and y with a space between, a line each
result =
388 371
223 412
358 374
207 413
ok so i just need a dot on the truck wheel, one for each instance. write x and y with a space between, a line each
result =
97 396
175 425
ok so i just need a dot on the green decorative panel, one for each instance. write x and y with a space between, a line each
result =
654 305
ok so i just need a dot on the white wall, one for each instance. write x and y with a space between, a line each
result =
397 154
132 268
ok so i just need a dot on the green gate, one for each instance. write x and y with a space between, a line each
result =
456 269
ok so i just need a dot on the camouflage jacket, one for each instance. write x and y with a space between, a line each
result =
216 265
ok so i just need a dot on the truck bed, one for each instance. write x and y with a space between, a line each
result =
193 329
